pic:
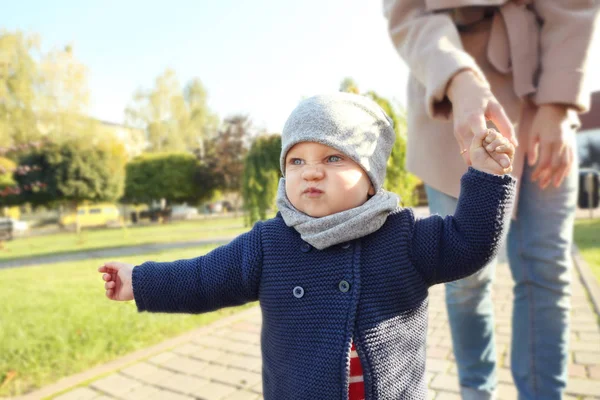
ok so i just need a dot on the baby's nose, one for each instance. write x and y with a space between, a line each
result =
312 172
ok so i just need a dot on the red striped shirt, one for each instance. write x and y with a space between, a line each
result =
356 388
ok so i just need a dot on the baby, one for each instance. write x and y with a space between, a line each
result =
341 266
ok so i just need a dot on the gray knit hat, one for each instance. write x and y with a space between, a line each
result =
350 123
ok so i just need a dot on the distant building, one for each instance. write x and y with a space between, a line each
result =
133 139
588 138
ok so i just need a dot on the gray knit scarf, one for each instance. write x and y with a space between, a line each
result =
339 227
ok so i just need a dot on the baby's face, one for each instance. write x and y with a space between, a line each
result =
321 181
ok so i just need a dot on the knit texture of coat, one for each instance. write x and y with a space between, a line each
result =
372 290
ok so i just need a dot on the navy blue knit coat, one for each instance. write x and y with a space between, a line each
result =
372 290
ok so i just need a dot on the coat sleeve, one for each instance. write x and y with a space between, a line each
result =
568 27
227 276
430 45
450 248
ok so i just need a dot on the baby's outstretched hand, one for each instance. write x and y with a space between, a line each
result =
118 284
492 153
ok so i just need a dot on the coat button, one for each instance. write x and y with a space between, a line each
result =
344 286
346 246
298 292
305 247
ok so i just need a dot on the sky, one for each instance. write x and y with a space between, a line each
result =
255 57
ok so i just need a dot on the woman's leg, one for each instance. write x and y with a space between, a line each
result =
539 250
471 317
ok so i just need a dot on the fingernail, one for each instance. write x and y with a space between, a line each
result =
490 148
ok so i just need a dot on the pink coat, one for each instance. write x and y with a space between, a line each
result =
531 52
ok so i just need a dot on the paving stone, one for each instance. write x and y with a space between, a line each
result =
140 370
215 391
239 378
502 339
577 371
244 348
429 376
212 372
115 385
504 330
443 382
589 337
447 396
588 317
245 337
242 395
241 362
504 376
436 365
184 384
213 342
431 394
587 358
584 346
438 352
244 326
187 349
507 392
210 355
143 392
103 397
583 387
162 357
82 393
156 377
257 388
594 371
585 327
168 395
185 365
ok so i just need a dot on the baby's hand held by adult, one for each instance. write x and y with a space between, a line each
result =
492 153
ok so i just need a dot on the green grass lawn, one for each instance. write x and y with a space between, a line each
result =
55 321
587 238
69 242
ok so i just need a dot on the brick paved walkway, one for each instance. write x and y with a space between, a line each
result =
222 361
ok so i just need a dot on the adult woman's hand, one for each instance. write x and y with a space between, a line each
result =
550 145
472 105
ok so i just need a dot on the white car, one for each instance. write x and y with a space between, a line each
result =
183 212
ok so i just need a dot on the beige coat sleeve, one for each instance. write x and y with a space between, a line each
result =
568 27
430 45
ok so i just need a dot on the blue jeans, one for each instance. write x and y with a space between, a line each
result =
539 247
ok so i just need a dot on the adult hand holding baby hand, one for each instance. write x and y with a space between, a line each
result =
472 104
118 284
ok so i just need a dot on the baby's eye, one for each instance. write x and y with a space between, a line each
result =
296 161
334 158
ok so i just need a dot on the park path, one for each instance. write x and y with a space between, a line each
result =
222 361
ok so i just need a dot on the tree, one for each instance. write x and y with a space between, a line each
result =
40 93
228 154
174 119
18 79
72 172
261 177
397 179
170 176
63 97
348 85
